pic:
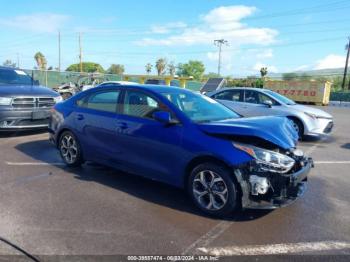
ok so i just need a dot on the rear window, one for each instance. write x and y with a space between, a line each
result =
101 101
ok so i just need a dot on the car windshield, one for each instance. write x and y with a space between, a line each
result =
280 98
14 77
199 108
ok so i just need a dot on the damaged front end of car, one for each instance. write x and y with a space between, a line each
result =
273 178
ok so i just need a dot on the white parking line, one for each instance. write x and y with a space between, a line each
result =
207 238
34 164
275 249
332 162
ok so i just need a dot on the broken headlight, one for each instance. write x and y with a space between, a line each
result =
266 160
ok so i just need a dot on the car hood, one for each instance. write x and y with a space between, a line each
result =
312 110
26 90
277 130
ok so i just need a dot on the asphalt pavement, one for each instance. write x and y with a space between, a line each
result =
48 209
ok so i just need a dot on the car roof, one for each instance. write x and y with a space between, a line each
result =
243 88
152 87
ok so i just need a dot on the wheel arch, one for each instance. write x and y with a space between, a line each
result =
293 117
200 160
60 133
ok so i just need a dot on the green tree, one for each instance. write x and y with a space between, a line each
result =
289 76
116 69
263 72
161 65
305 76
9 63
88 67
171 68
193 68
148 67
40 61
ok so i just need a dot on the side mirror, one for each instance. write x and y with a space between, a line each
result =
164 118
268 103
36 82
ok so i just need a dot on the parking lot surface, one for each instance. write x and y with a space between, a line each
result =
49 209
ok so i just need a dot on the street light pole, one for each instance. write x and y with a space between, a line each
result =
59 51
80 55
219 43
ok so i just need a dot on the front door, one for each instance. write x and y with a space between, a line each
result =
149 148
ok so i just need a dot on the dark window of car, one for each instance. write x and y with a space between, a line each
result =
140 104
255 97
264 99
251 96
14 77
103 101
230 95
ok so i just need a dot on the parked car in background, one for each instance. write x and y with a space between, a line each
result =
251 102
184 139
24 104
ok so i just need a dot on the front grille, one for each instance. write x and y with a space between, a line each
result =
33 102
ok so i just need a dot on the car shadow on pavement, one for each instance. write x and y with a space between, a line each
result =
346 146
137 186
8 134
326 139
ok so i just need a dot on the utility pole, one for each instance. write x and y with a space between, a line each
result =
346 65
219 43
80 54
59 51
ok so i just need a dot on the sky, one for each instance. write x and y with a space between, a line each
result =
282 35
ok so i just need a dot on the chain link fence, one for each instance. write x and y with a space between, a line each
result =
53 79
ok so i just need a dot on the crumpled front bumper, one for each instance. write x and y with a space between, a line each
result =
284 188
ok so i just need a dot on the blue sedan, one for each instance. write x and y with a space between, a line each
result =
185 139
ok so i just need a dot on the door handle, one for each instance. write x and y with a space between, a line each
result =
80 117
122 125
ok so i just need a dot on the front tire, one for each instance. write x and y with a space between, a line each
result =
70 149
213 189
299 127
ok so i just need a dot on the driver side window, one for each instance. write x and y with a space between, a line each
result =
140 104
264 99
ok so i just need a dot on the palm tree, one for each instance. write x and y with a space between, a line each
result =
171 68
160 65
263 72
148 68
40 60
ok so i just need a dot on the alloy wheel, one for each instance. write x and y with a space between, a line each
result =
69 149
210 190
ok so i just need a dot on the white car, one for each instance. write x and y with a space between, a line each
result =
251 102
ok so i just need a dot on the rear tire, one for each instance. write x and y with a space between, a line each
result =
213 189
70 149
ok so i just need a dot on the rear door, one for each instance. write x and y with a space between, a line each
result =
231 98
95 118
